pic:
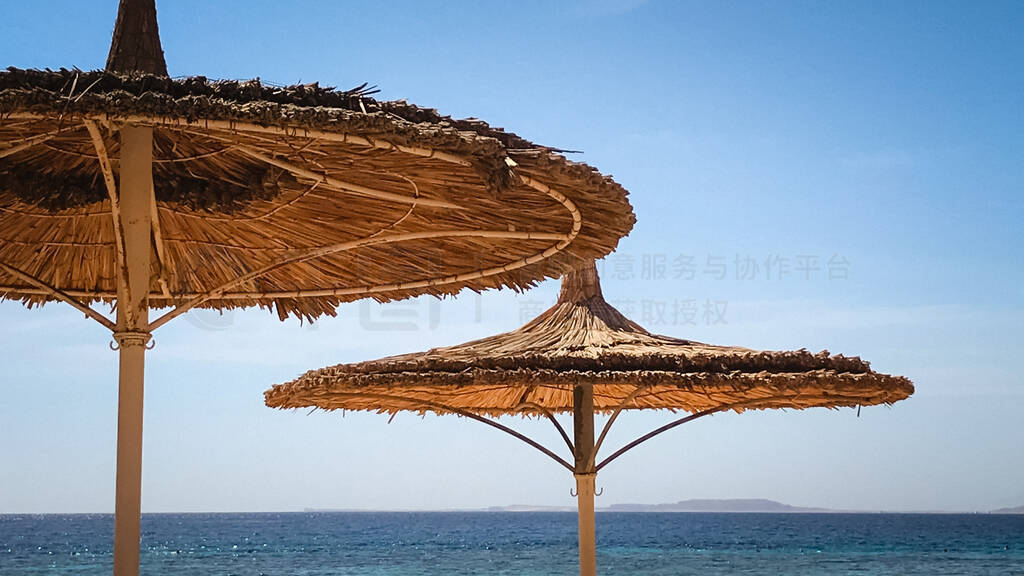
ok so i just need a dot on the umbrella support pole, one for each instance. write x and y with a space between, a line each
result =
132 335
587 536
583 431
128 495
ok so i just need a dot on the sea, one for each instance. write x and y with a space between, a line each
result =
521 543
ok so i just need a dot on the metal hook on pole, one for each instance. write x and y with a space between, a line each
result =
574 493
132 338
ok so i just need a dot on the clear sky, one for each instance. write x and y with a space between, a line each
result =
870 151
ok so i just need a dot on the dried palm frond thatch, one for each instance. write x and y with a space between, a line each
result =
289 197
583 341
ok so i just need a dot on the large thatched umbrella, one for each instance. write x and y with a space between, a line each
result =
125 186
584 357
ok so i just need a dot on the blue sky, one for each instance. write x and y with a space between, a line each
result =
873 148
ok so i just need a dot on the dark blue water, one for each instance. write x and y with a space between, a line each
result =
520 543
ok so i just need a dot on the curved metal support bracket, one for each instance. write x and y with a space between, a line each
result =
551 417
59 295
678 422
608 425
427 404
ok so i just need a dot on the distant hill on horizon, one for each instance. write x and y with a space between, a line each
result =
713 505
738 505
724 505
530 508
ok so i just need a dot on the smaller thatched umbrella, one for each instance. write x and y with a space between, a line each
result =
582 356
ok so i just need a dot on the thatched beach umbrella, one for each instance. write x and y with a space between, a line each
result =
127 187
584 357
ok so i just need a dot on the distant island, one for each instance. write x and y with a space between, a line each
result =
742 505
529 508
730 505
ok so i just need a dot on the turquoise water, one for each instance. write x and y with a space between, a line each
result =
520 543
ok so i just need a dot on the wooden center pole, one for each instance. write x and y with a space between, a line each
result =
134 47
583 431
132 335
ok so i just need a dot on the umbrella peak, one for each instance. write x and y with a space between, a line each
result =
581 318
581 284
135 45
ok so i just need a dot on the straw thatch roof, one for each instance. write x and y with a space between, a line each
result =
288 197
583 340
